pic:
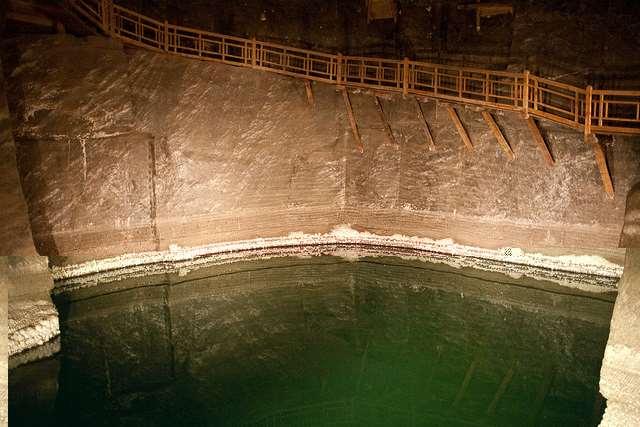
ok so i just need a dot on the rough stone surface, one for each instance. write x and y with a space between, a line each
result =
14 218
32 317
620 374
631 229
126 151
3 357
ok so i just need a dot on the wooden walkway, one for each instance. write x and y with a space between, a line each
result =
584 109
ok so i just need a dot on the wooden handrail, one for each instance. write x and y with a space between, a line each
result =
616 111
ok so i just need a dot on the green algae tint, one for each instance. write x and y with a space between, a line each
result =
321 342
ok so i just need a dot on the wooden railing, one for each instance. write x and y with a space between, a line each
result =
601 111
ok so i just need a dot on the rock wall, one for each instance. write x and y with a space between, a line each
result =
14 217
4 414
32 317
620 373
631 229
127 151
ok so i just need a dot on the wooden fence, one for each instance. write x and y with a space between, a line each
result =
593 111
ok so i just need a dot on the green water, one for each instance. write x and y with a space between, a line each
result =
321 342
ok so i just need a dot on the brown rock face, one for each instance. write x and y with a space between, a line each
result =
125 151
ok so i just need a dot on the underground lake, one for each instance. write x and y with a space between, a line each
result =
320 341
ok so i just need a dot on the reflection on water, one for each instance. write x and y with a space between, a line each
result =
321 342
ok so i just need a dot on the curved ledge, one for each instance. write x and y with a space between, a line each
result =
591 273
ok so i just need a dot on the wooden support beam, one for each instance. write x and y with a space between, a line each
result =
461 130
539 140
310 98
501 389
352 120
425 125
601 159
387 127
498 134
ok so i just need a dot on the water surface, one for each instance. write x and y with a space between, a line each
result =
321 342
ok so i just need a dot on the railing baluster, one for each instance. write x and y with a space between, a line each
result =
600 112
405 76
435 80
587 113
486 87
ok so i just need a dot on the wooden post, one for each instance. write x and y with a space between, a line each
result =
539 140
166 35
461 131
601 109
435 80
106 16
254 51
339 69
307 85
405 77
425 125
587 113
487 88
352 121
601 159
525 94
498 134
387 127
